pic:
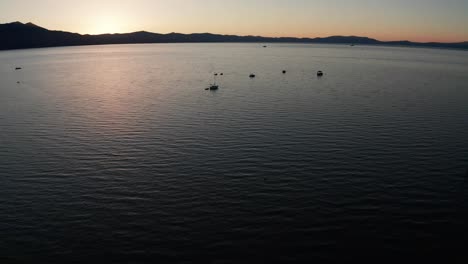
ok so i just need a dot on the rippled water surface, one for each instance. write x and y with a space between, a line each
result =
119 152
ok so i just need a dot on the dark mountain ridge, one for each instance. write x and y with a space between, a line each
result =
17 35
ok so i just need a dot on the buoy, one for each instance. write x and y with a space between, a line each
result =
284 72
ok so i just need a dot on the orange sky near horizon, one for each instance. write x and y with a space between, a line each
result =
414 20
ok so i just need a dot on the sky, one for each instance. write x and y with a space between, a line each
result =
415 20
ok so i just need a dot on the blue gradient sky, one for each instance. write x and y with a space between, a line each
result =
416 20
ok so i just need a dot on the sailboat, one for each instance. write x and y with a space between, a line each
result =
213 86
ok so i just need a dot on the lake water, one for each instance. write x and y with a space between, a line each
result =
118 151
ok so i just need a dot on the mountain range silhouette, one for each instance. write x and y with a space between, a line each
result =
18 35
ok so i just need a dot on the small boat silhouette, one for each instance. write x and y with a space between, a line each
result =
213 87
284 72
252 75
18 68
319 73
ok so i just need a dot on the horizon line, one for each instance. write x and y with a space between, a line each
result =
260 36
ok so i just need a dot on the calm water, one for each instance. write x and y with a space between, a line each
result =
119 152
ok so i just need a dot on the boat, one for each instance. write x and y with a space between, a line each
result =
213 87
252 75
18 68
284 72
319 73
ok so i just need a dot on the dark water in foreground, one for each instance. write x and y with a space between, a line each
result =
118 152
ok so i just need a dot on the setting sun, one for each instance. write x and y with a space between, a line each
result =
106 24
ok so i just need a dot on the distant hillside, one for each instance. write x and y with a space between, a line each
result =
17 35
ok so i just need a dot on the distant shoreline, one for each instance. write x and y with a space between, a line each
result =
266 43
16 36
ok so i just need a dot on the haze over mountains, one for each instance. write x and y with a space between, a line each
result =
17 35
